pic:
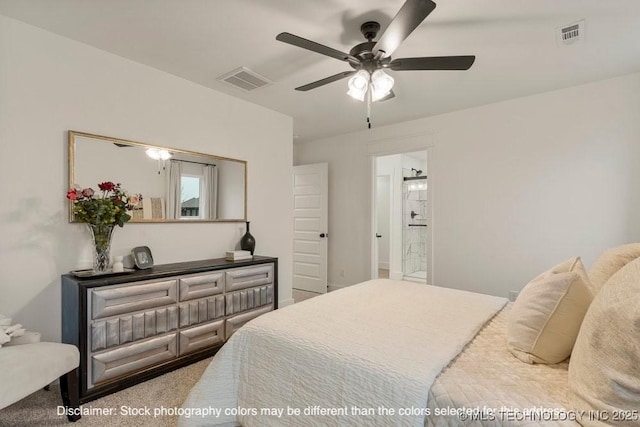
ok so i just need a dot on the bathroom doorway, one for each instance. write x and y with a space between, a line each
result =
402 217
414 224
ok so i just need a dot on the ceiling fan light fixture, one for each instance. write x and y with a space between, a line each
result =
156 154
381 85
358 85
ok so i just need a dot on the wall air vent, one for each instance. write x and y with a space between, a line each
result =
570 34
245 79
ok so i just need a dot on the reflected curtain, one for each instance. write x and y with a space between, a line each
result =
209 203
174 204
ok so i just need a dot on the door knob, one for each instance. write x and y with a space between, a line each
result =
323 235
378 235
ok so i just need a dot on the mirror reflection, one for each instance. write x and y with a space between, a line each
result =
176 185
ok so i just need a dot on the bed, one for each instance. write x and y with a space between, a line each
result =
383 352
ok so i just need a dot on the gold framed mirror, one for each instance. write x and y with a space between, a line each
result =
176 185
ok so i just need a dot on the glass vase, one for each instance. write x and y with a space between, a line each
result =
101 234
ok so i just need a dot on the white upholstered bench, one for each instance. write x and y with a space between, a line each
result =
26 368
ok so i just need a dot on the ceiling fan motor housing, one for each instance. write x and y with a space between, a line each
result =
364 51
370 30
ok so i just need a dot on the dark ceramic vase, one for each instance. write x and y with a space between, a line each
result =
248 243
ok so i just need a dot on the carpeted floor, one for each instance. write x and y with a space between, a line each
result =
167 391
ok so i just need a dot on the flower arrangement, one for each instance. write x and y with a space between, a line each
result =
109 207
102 213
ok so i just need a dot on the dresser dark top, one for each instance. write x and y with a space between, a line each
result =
166 270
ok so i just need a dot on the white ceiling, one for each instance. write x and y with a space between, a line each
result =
514 42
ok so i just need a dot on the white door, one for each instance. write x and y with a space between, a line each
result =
310 231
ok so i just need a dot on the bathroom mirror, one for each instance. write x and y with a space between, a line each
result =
176 185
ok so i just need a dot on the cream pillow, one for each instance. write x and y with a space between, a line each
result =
604 372
545 319
610 262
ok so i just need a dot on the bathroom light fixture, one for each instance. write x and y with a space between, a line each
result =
417 186
157 154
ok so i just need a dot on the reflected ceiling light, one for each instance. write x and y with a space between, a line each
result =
157 154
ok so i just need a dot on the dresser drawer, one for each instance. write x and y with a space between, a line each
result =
200 311
120 299
115 363
249 277
134 327
248 299
203 285
202 336
235 322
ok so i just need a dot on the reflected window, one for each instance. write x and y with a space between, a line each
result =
190 195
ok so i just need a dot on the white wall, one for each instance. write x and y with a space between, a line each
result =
49 84
517 186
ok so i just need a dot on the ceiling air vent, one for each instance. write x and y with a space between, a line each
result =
570 34
245 79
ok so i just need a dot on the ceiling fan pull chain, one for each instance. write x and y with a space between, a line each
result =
369 107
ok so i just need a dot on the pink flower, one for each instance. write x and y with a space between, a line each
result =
72 194
134 200
87 192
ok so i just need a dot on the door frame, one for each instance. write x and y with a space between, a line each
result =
400 145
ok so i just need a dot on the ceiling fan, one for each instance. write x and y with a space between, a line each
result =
368 80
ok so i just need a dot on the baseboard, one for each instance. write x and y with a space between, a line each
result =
331 288
285 303
396 275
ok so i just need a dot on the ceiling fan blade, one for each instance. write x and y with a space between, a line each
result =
410 15
316 47
433 63
325 81
389 96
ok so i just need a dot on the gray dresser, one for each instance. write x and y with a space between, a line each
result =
135 326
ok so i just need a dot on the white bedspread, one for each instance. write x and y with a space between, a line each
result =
367 348
488 380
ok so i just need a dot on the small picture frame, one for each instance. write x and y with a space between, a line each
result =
142 257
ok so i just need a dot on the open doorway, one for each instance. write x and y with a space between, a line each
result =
402 217
383 224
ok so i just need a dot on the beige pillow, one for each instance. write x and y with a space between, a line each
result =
610 262
545 319
604 372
